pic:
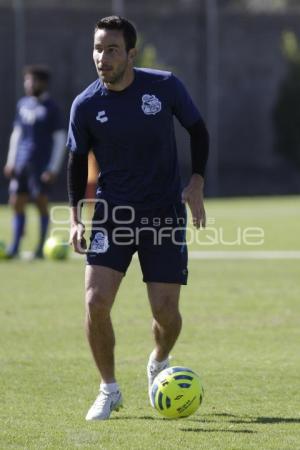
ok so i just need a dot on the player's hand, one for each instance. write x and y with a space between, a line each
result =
77 239
48 177
192 194
8 171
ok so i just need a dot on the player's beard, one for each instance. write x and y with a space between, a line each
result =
117 74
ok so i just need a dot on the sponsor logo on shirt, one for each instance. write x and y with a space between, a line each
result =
151 105
102 117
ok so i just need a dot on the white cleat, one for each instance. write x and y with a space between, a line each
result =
153 369
104 405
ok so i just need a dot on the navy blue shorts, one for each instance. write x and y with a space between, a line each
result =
158 237
28 181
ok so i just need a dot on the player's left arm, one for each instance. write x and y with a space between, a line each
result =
190 118
192 194
58 146
57 156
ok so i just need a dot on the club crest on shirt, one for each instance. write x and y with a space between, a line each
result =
100 243
31 115
151 104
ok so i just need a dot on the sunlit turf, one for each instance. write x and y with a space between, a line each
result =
241 334
267 223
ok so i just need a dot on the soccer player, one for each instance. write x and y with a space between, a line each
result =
126 117
35 155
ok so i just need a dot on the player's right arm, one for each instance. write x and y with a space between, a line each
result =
77 180
78 143
12 151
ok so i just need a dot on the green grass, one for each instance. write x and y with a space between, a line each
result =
276 220
241 333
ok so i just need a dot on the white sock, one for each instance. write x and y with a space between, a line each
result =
154 361
108 388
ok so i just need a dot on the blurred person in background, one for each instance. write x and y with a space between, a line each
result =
35 155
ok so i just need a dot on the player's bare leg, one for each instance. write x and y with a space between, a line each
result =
41 202
164 301
18 203
102 284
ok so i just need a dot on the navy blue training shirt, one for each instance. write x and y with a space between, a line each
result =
38 118
132 135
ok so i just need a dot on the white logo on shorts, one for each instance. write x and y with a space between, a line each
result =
151 105
100 243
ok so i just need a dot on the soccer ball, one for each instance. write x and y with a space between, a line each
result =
176 392
55 248
2 250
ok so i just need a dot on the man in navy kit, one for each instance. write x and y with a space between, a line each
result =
126 117
36 151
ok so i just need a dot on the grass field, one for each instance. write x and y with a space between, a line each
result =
241 333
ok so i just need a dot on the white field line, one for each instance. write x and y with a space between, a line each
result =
245 254
235 254
214 254
242 254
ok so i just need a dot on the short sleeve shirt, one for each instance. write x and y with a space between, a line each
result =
131 133
38 120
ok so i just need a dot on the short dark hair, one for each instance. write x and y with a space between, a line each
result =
121 24
39 71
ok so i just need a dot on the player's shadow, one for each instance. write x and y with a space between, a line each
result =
210 419
232 418
215 430
218 418
184 420
136 418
